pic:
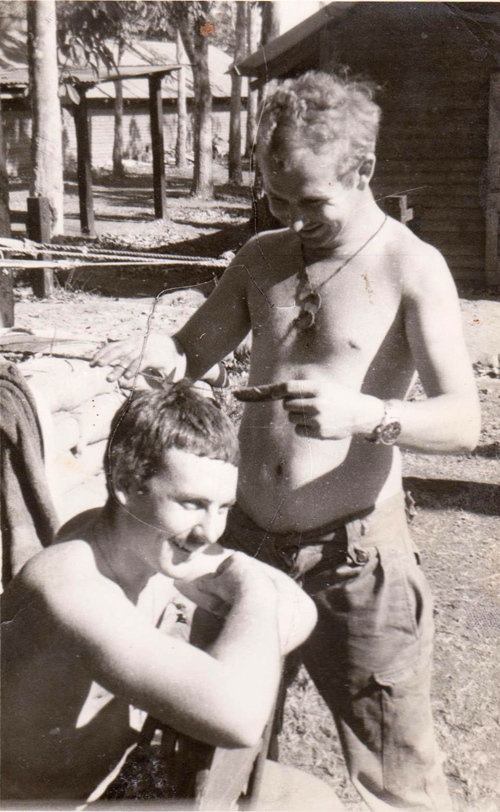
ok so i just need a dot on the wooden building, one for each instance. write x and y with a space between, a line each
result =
138 54
437 65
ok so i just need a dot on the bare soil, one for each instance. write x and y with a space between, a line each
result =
457 499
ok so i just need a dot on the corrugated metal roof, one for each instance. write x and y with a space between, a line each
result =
140 57
85 77
14 77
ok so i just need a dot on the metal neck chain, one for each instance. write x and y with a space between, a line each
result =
308 299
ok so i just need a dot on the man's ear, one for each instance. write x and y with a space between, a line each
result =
120 490
121 496
366 170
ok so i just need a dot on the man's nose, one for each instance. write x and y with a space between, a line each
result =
209 531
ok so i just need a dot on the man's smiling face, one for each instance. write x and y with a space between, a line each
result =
307 195
181 512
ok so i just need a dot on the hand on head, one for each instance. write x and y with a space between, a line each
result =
131 356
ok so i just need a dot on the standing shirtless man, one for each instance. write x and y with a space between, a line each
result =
344 305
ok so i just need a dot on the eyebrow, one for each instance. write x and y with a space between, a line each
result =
189 497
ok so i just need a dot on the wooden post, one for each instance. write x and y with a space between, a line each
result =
156 118
38 229
84 165
6 285
493 185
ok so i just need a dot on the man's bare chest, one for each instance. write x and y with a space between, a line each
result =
354 315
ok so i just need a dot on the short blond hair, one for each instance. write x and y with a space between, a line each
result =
317 109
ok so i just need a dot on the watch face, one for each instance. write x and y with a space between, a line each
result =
390 433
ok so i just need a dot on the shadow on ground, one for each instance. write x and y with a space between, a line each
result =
440 494
141 282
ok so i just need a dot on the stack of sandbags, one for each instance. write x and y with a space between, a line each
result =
75 404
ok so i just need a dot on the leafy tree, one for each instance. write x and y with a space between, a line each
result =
88 26
86 29
223 17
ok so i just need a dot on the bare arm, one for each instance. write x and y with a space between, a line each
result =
449 420
220 324
211 333
296 612
223 696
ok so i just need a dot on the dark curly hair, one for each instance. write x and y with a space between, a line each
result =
317 109
147 425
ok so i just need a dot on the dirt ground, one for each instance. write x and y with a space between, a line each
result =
457 499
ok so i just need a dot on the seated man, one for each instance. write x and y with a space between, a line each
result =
82 638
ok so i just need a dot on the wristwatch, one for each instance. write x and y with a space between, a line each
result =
389 429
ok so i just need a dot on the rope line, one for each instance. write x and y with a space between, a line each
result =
80 254
68 264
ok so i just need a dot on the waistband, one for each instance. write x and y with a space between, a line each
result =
383 526
370 523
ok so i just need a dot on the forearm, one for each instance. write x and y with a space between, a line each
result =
297 613
200 357
248 648
446 423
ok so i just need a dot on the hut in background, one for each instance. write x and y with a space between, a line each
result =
145 54
438 68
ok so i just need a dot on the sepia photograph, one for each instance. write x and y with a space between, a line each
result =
250 405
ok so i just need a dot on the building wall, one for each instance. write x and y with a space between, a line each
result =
433 142
136 134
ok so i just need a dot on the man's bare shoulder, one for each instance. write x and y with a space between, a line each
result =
61 575
266 245
421 267
52 589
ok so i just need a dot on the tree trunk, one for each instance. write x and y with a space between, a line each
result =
118 170
253 95
203 183
182 118
196 46
235 173
46 140
270 21
262 216
4 185
6 284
